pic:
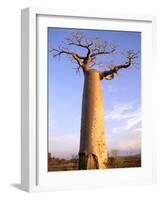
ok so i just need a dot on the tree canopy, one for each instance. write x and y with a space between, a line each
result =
93 47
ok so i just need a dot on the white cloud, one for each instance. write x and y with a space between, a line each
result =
126 114
126 117
133 120
120 111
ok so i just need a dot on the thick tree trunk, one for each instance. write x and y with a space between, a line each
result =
93 151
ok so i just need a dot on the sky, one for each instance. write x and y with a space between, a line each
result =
121 96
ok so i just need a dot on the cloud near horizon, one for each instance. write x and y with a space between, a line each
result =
64 146
125 137
129 143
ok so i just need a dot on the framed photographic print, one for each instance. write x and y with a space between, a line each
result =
86 99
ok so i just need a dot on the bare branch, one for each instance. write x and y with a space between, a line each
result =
109 77
103 52
94 48
94 62
77 39
130 55
77 58
59 51
77 69
102 47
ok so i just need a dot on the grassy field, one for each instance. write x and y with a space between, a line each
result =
124 161
113 162
62 164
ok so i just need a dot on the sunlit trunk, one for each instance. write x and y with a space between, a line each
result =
93 151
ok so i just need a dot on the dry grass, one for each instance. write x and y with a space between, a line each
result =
124 161
113 162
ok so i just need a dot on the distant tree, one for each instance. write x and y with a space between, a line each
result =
49 156
114 153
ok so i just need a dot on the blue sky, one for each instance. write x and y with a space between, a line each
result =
122 96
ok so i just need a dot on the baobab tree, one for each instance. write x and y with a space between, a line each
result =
92 150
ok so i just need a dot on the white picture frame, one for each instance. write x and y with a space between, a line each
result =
34 176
